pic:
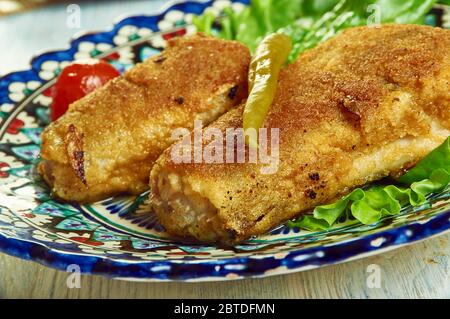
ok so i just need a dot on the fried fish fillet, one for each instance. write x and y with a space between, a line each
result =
369 103
107 142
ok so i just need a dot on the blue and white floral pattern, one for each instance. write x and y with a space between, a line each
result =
119 237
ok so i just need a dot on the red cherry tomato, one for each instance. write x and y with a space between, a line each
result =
76 81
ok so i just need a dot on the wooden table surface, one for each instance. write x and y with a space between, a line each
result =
418 271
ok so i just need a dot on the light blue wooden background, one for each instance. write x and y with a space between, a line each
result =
24 35
418 271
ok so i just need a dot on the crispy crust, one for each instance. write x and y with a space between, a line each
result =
118 131
75 153
368 103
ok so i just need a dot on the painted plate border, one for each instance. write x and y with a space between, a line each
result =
213 269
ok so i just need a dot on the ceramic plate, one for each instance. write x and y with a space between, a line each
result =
117 237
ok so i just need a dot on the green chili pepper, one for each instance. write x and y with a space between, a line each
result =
265 68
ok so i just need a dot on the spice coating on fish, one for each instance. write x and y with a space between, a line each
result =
367 104
107 142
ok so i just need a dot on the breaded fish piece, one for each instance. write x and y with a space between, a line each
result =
366 104
107 143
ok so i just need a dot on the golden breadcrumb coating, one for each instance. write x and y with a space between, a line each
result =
107 142
366 104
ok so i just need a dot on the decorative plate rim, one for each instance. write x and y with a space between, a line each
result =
116 21
229 268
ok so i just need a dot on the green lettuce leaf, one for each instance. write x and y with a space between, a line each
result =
205 22
308 22
401 11
368 206
440 158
